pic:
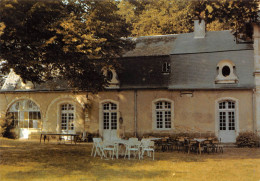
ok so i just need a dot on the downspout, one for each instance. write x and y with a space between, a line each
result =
253 112
135 111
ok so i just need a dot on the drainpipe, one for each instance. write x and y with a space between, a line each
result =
135 110
253 106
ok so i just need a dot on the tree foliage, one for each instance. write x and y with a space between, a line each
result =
72 41
237 14
175 16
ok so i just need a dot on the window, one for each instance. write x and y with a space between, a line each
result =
226 115
226 72
67 117
25 114
109 116
166 67
163 115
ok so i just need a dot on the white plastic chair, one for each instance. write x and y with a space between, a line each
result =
148 147
133 145
97 148
110 148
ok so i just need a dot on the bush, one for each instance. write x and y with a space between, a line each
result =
7 129
248 139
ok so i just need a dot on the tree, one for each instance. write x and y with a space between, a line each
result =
157 16
71 40
175 16
238 14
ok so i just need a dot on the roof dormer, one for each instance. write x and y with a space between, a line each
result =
226 72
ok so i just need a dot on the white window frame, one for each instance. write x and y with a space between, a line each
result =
67 112
154 110
217 110
101 127
24 106
59 129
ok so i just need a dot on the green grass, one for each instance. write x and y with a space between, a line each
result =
29 160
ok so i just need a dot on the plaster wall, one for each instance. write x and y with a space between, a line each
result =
257 76
193 113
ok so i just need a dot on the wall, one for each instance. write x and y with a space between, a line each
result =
192 112
257 76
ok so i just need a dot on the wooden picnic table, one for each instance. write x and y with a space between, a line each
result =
74 136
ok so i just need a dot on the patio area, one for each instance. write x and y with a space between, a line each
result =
30 160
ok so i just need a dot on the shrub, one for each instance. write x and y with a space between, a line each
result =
7 129
248 139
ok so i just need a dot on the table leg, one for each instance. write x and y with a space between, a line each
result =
41 138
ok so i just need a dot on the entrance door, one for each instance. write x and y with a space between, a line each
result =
67 120
109 121
24 125
227 122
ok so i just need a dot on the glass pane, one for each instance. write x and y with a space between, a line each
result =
113 106
167 105
106 120
222 120
106 106
64 107
70 107
159 105
167 118
222 105
231 124
159 119
113 120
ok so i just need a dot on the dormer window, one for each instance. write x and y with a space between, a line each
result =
166 67
226 72
112 78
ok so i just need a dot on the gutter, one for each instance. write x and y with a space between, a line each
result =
135 112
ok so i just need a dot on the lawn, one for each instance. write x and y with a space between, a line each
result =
29 160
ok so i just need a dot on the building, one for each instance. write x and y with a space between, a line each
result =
200 83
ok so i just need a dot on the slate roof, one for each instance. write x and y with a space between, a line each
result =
193 63
214 41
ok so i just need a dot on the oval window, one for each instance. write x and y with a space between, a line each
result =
226 71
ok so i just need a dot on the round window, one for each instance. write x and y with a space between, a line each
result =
226 71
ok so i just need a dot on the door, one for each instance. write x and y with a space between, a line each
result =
67 120
227 122
109 121
23 125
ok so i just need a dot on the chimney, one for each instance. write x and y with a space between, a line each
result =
199 29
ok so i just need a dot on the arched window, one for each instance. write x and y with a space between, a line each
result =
163 115
67 117
25 114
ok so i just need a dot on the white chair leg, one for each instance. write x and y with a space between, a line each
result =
92 152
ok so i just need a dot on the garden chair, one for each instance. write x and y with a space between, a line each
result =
97 148
133 145
217 146
110 147
148 147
